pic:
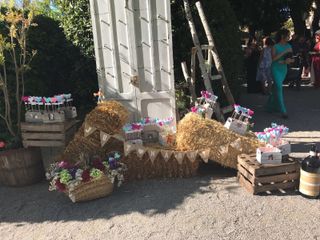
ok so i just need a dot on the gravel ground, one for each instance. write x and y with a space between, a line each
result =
210 206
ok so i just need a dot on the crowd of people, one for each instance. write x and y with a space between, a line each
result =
284 58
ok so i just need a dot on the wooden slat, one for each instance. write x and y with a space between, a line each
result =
244 172
250 163
272 187
41 136
275 170
47 127
277 178
245 183
43 143
216 77
41 127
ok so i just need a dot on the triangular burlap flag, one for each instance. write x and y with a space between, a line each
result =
119 137
104 138
179 156
128 148
141 151
205 154
153 153
88 130
237 144
166 154
223 150
192 155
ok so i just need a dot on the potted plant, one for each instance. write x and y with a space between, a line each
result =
18 166
89 179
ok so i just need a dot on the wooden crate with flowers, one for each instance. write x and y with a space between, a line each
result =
89 179
273 138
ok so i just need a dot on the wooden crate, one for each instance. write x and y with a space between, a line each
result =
48 135
257 178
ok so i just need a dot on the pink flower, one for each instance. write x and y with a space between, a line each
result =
2 144
136 126
24 98
194 109
64 165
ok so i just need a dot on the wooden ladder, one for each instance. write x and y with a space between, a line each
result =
212 59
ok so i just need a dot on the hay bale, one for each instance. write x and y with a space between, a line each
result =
144 168
196 133
109 117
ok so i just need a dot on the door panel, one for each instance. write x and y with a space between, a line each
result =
133 41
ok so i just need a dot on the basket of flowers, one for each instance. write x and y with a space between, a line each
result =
89 179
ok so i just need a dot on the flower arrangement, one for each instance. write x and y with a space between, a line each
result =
273 134
204 105
242 112
65 176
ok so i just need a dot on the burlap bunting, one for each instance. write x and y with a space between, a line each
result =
104 137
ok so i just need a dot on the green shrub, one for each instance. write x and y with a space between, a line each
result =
59 66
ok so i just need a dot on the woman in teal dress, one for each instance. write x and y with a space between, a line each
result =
280 60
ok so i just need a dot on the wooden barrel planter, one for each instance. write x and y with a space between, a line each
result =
21 167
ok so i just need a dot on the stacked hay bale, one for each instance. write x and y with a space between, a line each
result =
110 117
144 168
196 133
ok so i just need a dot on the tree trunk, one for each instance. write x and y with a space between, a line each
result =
316 17
297 18
214 54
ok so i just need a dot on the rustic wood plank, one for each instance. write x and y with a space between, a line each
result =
257 169
43 143
244 172
246 184
277 178
272 187
41 136
42 127
275 170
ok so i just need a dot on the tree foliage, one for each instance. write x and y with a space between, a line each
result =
269 16
76 22
15 60
59 66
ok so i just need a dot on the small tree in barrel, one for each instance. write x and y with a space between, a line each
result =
14 62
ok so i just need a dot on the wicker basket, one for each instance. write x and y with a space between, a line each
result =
96 188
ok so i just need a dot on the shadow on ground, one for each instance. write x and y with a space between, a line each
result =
35 204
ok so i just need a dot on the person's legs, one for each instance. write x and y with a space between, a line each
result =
275 101
279 92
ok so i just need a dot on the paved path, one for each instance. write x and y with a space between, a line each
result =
211 206
304 116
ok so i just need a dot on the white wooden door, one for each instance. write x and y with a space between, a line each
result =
133 48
